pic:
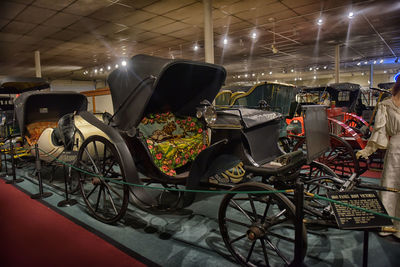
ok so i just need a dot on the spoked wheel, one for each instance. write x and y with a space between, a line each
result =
259 229
102 183
340 158
319 179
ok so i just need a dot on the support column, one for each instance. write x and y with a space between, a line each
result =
208 31
371 76
38 68
337 63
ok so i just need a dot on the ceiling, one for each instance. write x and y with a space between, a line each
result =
75 37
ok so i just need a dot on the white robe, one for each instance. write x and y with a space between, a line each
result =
386 135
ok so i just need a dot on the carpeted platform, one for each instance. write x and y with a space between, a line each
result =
34 235
191 237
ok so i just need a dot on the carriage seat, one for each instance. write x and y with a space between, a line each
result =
172 140
35 129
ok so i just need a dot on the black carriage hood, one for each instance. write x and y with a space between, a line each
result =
38 106
179 86
18 85
247 117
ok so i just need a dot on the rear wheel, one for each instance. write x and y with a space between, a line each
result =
103 181
259 229
340 158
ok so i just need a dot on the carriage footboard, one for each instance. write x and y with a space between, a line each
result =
280 166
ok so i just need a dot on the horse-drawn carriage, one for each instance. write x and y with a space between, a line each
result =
159 138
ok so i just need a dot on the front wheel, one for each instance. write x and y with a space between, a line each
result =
103 183
259 229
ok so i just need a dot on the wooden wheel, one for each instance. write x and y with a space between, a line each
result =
103 183
259 229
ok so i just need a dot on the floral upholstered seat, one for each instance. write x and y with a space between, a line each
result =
35 129
173 141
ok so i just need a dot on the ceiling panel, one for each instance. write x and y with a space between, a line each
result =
162 7
62 20
18 27
153 23
8 10
51 4
136 17
86 7
35 15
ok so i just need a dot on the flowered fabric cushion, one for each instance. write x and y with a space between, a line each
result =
35 130
173 141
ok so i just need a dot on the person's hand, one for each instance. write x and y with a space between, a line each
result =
362 154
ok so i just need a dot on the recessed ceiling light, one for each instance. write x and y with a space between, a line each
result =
270 73
101 69
310 68
365 62
292 70
359 63
300 78
320 22
385 71
245 75
196 47
116 66
109 67
225 41
95 70
262 74
254 35
325 67
350 15
123 63
315 77
253 74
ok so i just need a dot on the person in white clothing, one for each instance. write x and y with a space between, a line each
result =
386 135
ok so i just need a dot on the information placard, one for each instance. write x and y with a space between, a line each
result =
349 218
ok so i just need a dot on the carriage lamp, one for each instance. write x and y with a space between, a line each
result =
210 114
207 111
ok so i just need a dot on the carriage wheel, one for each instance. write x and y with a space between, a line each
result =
102 183
259 229
340 158
319 179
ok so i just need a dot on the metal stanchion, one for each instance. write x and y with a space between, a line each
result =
298 244
66 202
41 194
365 248
14 179
3 154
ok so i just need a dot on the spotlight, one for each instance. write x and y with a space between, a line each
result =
310 68
292 70
381 61
95 70
320 22
385 71
196 47
315 77
365 62
295 79
274 49
270 73
254 35
350 15
225 41
101 69
359 63
238 76
374 61
253 74
245 75
396 60
300 78
108 67
123 63
325 67
116 66
263 74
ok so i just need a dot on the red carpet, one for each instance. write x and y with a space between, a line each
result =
32 234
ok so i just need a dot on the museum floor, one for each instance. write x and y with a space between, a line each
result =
188 238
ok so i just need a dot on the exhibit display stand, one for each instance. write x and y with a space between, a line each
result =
41 194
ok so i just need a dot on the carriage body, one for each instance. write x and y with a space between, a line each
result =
48 119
